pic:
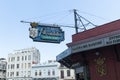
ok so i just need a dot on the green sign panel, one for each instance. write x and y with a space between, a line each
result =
46 34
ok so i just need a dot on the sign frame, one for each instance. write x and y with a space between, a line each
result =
46 33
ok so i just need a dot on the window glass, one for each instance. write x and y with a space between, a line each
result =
62 74
68 73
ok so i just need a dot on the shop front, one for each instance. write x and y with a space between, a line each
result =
94 53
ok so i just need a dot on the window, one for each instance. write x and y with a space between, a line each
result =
29 65
22 65
25 65
36 73
48 72
62 74
22 58
12 59
8 74
53 72
12 73
68 73
29 57
40 73
12 66
29 73
44 71
25 57
17 66
17 73
21 73
18 58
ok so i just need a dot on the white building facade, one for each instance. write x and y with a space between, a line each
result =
20 63
52 70
66 73
3 65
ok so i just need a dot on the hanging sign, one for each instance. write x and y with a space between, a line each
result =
50 34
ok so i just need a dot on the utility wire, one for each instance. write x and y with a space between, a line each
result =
92 15
47 16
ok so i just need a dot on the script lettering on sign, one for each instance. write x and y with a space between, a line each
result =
47 34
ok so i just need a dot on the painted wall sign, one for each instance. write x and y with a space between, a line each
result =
111 40
87 45
106 41
46 34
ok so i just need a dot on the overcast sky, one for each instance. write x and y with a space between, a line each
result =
15 35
